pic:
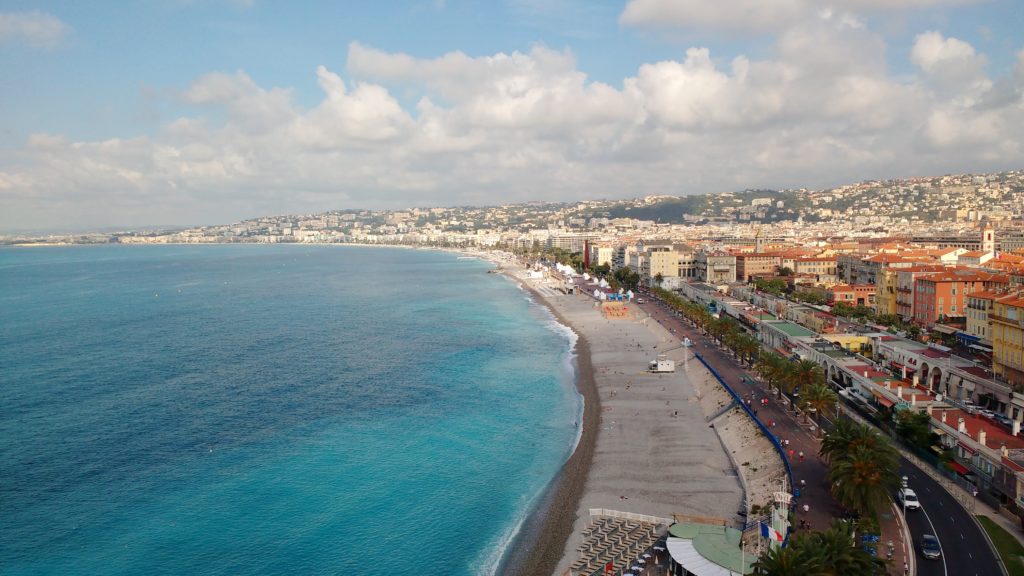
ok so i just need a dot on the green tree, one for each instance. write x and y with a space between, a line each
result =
862 467
819 398
804 374
864 479
915 429
788 561
838 551
773 368
658 279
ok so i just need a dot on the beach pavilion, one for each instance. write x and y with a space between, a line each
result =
697 549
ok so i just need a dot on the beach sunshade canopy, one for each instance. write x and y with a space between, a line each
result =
686 555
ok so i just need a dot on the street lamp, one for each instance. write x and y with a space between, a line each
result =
903 497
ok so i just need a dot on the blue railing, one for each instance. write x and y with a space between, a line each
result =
761 425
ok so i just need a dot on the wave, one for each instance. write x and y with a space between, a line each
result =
492 556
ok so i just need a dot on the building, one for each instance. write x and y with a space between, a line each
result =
942 295
1006 316
852 294
817 266
978 328
601 253
750 266
905 279
715 267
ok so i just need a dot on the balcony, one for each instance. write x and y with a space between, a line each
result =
1003 319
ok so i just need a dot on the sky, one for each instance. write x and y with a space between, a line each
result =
188 112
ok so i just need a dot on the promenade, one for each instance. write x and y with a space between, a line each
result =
797 434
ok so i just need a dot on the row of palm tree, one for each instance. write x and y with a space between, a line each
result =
828 553
862 467
804 377
726 331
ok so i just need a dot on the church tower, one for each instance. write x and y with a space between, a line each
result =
988 238
758 242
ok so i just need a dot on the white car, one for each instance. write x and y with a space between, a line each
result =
908 499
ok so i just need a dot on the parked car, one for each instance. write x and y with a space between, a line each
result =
930 548
908 499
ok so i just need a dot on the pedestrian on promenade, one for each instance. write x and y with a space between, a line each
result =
807 508
801 456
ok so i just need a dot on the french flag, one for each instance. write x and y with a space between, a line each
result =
770 533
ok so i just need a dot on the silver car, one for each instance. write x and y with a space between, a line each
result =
930 548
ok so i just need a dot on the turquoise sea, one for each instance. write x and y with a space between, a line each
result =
271 410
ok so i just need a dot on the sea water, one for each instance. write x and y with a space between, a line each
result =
271 410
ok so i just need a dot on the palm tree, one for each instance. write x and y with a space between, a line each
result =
773 368
793 560
838 551
842 438
807 373
748 347
863 480
819 398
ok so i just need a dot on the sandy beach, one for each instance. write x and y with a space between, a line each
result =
647 445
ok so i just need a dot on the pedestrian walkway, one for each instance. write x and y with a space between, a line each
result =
814 506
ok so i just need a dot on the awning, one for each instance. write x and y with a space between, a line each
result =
882 399
958 467
683 552
965 337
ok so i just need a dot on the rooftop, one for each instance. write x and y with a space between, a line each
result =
790 329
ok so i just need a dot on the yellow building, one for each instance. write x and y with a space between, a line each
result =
885 292
1006 316
663 261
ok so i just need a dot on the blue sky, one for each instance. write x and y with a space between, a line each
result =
182 112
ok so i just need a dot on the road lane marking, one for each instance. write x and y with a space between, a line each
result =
935 533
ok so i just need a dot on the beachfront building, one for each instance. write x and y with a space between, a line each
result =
601 253
571 242
715 267
622 255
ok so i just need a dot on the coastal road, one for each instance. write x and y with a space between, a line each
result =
810 472
965 550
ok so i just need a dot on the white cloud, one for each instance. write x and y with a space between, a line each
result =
36 29
951 67
754 15
931 51
530 125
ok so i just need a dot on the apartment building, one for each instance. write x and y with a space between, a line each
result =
753 265
852 294
1007 318
905 279
715 267
942 295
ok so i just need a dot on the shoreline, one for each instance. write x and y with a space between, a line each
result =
538 548
647 445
